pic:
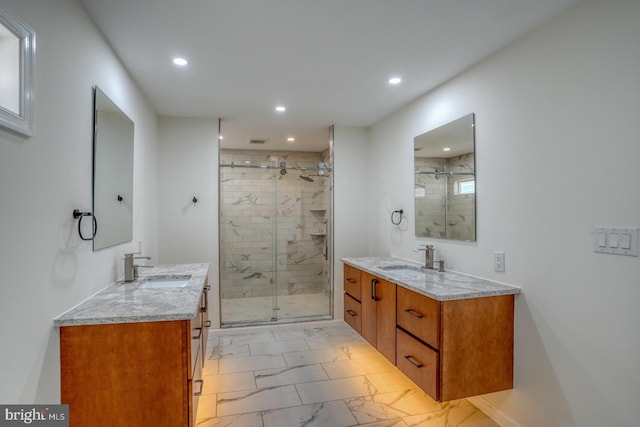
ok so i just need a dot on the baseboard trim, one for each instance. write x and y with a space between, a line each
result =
492 412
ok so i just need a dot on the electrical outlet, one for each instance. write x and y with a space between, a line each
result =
498 262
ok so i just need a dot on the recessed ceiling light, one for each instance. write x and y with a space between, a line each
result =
446 149
180 61
395 80
291 139
281 108
220 137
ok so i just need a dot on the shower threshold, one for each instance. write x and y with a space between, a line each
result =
240 324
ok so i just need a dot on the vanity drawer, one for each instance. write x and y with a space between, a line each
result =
353 313
419 315
418 362
353 282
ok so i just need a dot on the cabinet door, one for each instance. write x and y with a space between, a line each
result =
379 314
369 308
206 323
385 293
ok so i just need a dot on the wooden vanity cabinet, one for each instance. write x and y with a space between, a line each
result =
457 348
379 314
451 349
133 374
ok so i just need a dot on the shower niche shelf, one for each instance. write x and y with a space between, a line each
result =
318 234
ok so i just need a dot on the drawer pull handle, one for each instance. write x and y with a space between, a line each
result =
201 388
414 362
351 313
199 334
207 324
207 288
374 282
350 280
414 313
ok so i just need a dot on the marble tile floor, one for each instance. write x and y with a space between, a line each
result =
260 309
314 374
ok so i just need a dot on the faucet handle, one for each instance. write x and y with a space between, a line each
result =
423 248
130 256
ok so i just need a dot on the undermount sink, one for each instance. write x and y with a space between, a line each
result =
165 281
406 271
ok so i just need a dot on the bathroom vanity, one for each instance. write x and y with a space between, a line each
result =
452 334
132 355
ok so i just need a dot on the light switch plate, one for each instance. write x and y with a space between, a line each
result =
498 262
617 240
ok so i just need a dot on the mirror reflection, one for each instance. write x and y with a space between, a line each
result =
444 181
112 173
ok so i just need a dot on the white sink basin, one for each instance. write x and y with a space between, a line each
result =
158 282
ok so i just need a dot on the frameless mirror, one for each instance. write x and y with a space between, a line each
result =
17 59
444 181
112 173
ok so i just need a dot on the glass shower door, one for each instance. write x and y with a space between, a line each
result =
302 225
247 245
275 213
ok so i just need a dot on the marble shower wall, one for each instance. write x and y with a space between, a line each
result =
272 227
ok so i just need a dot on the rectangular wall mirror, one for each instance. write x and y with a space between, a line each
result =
444 181
17 60
112 173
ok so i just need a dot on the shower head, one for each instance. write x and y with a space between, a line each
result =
306 178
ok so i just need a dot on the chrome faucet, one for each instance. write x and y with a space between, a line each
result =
131 269
429 252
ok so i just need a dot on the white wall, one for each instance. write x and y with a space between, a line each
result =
188 165
350 166
45 268
558 148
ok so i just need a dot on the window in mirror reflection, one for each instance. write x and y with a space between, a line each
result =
444 181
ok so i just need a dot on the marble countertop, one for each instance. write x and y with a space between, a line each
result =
439 286
123 302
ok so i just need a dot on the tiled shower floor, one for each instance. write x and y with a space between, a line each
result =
314 374
260 309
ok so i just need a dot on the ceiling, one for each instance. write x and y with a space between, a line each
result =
327 61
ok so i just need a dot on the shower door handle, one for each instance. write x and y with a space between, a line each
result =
374 284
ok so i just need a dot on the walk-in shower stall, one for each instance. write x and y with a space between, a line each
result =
275 236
